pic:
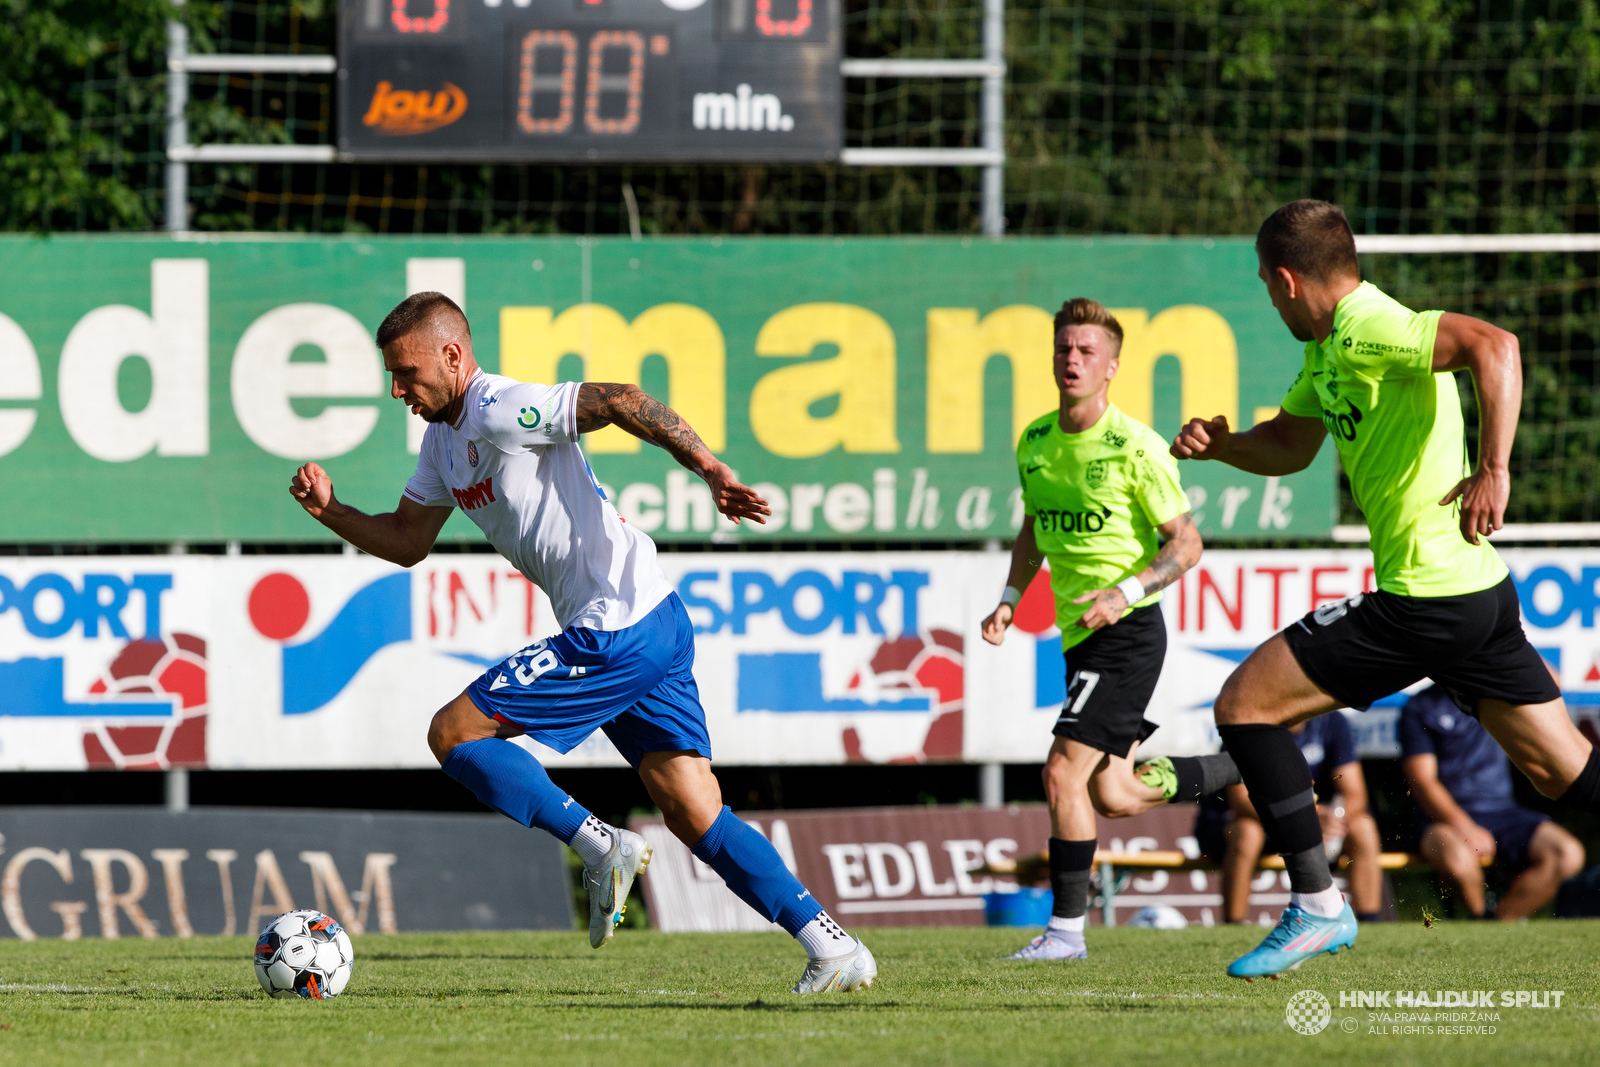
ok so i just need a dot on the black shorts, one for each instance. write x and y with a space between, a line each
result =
1110 676
1362 649
1512 829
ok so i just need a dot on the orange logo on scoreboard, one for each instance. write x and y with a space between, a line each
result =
404 113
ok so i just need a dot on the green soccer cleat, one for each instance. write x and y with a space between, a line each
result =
1159 774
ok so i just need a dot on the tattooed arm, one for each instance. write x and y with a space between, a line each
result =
1180 552
636 411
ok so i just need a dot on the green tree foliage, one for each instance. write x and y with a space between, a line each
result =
62 165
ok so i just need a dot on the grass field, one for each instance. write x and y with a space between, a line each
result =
944 996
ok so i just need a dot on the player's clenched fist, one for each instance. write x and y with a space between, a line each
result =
1202 438
994 627
312 488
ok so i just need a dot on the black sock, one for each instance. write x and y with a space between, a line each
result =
1200 776
1369 916
1280 786
1070 863
1585 789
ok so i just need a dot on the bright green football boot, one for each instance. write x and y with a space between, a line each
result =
1159 774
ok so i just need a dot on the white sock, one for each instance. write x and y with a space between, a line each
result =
1072 926
1326 904
822 938
592 841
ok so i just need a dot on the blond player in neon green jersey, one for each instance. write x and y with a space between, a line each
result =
1379 378
1100 495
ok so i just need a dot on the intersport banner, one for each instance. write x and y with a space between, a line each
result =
820 658
154 389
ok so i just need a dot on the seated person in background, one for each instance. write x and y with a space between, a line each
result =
1462 780
1228 827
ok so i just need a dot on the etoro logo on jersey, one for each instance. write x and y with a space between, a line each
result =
1051 520
1342 426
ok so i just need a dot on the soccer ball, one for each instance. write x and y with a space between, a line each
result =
304 954
1159 917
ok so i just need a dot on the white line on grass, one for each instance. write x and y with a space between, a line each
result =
1141 996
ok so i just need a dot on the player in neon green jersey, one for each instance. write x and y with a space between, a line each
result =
1099 495
1378 377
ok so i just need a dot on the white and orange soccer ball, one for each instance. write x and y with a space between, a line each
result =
304 954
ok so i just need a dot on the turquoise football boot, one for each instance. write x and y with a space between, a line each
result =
1298 936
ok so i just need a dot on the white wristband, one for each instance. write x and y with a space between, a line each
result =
1011 596
1132 590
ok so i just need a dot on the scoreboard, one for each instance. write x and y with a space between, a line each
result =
575 80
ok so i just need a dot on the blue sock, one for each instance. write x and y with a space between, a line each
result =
755 872
508 779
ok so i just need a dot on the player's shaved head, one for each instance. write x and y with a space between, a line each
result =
427 350
1311 238
419 310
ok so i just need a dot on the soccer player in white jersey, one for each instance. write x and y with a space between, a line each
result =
506 452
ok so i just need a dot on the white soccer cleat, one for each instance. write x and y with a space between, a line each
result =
608 884
844 974
1054 945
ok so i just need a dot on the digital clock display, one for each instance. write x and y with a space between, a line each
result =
481 80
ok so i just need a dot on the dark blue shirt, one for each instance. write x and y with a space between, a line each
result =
1472 766
1327 742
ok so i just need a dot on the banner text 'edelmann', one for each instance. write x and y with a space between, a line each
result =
870 389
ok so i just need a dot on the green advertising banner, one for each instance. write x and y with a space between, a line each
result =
155 389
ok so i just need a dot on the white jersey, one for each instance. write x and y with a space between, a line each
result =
514 466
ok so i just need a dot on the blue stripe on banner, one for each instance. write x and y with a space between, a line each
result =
35 687
316 671
1049 673
792 682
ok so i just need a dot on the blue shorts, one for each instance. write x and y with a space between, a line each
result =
636 684
1512 829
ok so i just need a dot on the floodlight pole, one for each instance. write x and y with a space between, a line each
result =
994 117
177 207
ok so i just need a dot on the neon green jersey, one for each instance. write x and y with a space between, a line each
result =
1096 499
1400 436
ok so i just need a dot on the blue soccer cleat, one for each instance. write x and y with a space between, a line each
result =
1298 936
